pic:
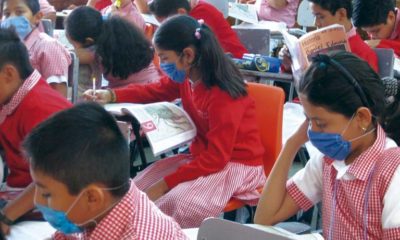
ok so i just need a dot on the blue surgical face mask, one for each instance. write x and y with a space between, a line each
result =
59 219
21 23
332 144
172 72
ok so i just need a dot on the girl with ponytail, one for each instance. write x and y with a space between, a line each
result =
225 157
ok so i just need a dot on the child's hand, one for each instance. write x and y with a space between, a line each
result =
373 43
5 229
300 136
284 54
157 190
101 96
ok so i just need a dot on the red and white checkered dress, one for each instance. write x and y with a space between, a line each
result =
348 217
135 217
189 203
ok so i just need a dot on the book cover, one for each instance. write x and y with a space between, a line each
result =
322 40
165 125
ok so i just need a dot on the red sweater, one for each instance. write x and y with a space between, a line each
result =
362 50
215 20
41 102
393 44
226 127
394 40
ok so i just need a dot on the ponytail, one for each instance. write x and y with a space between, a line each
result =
122 48
216 69
391 118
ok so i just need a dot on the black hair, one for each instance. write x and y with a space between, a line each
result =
392 119
81 146
369 13
121 46
14 52
84 22
166 8
341 82
215 67
33 5
333 5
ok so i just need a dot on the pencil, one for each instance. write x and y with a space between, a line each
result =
94 86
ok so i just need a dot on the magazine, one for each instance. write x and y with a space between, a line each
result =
244 12
165 125
322 40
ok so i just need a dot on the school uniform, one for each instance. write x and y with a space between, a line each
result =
287 14
394 40
226 154
34 102
147 75
360 200
48 56
46 8
361 49
135 217
128 12
219 25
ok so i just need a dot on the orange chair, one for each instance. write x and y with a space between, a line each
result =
149 33
269 109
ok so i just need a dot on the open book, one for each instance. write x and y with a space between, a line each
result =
165 125
322 40
244 12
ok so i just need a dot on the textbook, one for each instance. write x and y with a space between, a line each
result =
322 40
244 12
165 125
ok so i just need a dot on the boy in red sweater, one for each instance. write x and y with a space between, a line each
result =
25 100
228 39
328 12
380 19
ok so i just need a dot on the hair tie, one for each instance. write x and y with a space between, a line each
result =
197 33
322 59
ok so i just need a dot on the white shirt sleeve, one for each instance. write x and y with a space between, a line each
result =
391 203
57 79
309 179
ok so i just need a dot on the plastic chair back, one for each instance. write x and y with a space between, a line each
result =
73 76
269 109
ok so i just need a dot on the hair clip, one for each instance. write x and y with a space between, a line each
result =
197 33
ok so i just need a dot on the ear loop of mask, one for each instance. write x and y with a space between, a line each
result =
93 219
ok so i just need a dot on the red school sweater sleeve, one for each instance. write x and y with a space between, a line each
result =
164 90
393 44
224 119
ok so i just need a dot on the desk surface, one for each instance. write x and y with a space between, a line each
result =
282 76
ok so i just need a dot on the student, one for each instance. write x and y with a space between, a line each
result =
380 19
328 12
121 49
82 184
228 39
276 10
356 175
226 154
47 55
127 10
25 100
49 12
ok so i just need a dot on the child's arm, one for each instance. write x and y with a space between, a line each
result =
18 207
275 204
85 56
142 6
277 4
